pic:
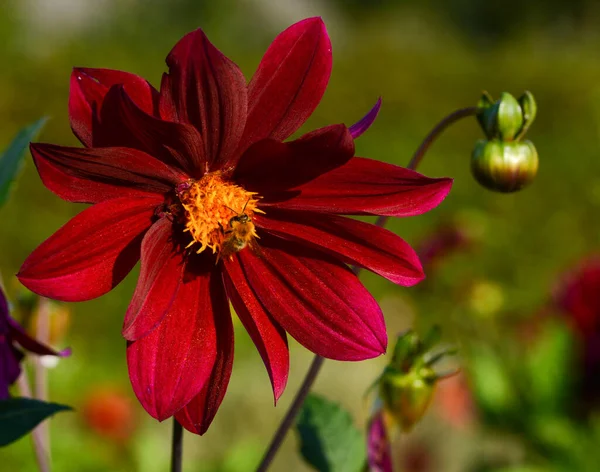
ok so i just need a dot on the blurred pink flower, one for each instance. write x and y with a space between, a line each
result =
379 453
445 240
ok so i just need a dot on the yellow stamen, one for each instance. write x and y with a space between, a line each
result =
210 203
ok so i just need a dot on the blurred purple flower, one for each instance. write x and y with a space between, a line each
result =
13 336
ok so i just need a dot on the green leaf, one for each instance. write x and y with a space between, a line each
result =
329 441
11 161
18 416
550 369
492 386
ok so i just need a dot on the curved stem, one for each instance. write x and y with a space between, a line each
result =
291 414
437 130
176 447
317 363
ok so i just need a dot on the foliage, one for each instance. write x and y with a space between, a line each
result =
18 416
328 439
11 160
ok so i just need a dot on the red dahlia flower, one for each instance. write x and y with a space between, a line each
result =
196 181
578 297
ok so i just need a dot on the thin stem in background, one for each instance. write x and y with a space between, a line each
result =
40 385
290 416
292 412
42 455
176 447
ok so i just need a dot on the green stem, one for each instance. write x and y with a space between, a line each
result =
290 416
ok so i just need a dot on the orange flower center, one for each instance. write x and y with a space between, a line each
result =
218 214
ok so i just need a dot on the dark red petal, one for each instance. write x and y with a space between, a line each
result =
367 187
160 277
198 414
366 121
88 88
18 334
270 166
270 338
166 105
171 365
91 175
316 299
354 242
208 91
123 123
289 82
92 253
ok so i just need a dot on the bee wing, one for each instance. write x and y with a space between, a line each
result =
255 248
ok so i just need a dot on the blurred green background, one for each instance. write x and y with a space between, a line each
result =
425 59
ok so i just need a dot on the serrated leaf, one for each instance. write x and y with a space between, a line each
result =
11 160
329 441
18 416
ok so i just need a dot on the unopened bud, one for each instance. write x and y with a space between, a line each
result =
407 384
406 397
504 166
506 119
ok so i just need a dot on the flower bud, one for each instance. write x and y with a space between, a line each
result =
407 384
406 397
504 166
506 119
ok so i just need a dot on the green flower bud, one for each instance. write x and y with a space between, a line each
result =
504 166
407 384
506 119
502 119
406 397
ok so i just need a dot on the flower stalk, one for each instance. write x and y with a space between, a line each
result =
290 416
177 447
40 372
